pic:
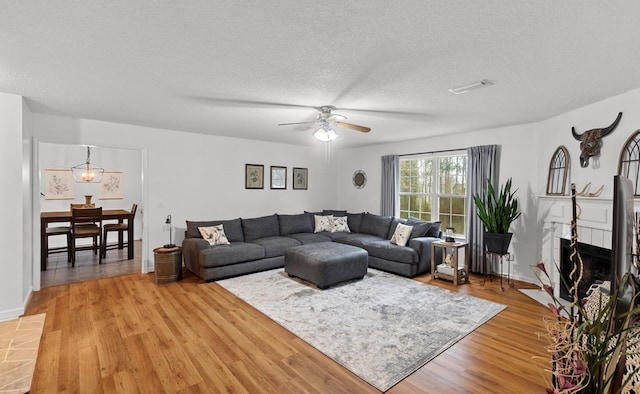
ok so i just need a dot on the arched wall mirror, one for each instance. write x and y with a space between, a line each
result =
629 163
558 172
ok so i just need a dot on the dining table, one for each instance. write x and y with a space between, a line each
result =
65 216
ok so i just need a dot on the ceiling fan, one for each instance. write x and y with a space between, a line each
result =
326 121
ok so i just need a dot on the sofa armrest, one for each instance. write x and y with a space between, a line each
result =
191 248
423 246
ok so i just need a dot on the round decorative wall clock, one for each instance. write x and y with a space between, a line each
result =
359 179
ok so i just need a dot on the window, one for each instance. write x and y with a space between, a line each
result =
434 188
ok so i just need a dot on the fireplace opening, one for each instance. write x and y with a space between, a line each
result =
597 266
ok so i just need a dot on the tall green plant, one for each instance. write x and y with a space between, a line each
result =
497 212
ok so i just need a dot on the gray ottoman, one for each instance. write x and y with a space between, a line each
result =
326 263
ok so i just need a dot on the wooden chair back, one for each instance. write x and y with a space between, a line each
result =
84 216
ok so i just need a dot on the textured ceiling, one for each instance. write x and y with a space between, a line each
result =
238 68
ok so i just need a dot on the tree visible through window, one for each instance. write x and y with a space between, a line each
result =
434 188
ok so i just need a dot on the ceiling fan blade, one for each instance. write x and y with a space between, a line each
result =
248 103
288 124
354 126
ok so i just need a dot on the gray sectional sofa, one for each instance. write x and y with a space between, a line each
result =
259 244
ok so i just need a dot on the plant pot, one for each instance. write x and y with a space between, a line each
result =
497 243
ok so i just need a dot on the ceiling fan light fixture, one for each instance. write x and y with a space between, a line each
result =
325 134
468 88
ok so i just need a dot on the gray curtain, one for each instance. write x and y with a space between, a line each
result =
482 164
390 185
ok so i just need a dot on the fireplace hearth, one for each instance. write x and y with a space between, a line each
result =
597 266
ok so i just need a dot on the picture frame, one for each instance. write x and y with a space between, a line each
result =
58 184
111 186
300 178
253 176
278 177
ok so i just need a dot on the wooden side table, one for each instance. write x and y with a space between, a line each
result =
457 274
168 264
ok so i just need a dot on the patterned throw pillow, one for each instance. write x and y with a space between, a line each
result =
339 224
323 223
214 234
401 235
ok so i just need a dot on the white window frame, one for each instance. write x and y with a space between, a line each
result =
435 195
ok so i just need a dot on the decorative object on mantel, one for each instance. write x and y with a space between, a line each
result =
558 171
591 141
585 191
58 184
629 162
359 179
497 213
85 172
111 186
593 341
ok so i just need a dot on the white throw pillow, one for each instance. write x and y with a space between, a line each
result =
401 235
214 234
323 223
339 224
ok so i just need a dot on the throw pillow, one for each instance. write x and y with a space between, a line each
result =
323 223
214 234
339 224
401 235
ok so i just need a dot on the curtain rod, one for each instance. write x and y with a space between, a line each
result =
435 151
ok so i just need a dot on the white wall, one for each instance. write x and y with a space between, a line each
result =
13 284
199 177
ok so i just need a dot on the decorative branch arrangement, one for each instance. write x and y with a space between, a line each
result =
593 342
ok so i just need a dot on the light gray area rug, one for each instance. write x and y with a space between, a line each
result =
382 328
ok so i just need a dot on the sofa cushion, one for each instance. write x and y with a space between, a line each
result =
339 224
376 225
333 212
354 220
394 224
275 246
322 223
401 235
294 224
355 239
214 235
423 228
234 253
384 249
310 238
232 228
265 226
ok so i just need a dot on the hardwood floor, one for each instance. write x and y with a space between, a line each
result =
126 334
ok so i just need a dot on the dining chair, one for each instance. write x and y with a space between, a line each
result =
120 228
86 223
53 231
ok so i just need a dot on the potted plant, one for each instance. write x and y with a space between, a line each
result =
496 213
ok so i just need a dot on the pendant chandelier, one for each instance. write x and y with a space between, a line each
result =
87 173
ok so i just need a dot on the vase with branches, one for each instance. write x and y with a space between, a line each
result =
591 340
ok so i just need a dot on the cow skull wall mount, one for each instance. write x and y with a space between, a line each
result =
591 141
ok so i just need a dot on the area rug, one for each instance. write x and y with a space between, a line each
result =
19 343
382 328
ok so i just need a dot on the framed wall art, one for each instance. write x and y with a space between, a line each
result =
278 177
253 176
300 178
111 186
58 184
